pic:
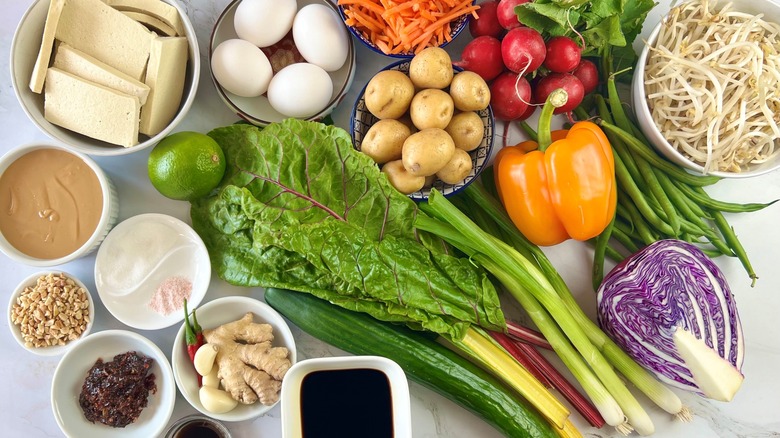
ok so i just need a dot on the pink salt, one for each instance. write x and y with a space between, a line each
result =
170 295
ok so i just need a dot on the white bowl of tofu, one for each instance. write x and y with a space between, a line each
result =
105 77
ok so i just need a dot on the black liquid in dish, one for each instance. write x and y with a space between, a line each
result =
346 403
198 429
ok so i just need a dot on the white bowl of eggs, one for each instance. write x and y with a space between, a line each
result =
275 59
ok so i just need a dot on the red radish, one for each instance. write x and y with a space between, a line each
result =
487 21
568 82
509 96
588 74
482 56
506 13
563 54
523 50
528 112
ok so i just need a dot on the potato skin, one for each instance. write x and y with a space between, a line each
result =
388 94
427 151
469 91
431 108
466 130
402 180
384 140
431 68
457 169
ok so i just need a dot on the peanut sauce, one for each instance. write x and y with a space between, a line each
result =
51 202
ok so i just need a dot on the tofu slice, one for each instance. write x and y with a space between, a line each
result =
152 23
47 44
78 63
165 76
165 12
101 31
91 109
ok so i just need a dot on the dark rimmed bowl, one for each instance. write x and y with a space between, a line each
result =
456 27
362 119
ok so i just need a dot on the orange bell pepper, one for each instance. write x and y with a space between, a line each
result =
563 191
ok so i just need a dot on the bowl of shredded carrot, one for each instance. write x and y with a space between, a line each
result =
400 29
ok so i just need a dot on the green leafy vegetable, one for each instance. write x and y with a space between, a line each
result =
299 208
602 23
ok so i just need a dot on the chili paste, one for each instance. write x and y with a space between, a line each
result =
115 392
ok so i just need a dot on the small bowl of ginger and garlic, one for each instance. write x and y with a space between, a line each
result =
247 350
426 123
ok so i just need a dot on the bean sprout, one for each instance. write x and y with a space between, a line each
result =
711 81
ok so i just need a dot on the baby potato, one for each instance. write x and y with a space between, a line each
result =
469 91
402 180
385 140
466 130
431 68
427 151
457 169
388 94
431 108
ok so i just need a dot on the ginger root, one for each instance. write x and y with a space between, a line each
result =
248 366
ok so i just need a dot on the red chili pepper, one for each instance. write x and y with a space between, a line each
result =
193 336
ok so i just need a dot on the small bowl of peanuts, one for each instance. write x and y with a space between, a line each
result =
49 311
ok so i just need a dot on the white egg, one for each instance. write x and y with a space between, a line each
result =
321 36
300 90
241 68
264 22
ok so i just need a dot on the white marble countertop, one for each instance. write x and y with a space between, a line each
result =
25 411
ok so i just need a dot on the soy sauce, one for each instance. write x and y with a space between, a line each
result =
346 403
198 429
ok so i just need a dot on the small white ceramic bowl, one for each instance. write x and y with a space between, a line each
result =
24 50
212 315
397 384
127 281
72 371
108 214
771 12
362 120
257 110
56 350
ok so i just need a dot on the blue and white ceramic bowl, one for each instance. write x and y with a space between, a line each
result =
362 119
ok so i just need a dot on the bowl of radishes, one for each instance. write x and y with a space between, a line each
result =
522 67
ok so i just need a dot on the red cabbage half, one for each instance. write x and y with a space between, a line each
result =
670 308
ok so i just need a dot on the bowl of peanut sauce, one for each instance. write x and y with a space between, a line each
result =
57 204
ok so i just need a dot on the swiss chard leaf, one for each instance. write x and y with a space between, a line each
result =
299 208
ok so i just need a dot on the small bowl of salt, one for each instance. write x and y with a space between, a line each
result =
147 266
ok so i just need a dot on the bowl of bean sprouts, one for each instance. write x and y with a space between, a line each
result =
706 88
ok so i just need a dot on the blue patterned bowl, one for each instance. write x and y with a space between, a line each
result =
362 119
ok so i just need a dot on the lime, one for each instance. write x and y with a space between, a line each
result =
186 165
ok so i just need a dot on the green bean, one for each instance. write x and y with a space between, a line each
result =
598 254
709 252
581 113
614 254
625 238
617 145
700 196
686 208
731 239
657 161
642 228
633 191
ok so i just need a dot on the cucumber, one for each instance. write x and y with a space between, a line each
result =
424 360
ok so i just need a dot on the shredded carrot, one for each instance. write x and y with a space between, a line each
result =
397 27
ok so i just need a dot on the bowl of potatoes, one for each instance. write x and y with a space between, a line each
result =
426 123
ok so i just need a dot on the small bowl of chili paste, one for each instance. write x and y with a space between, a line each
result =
114 383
